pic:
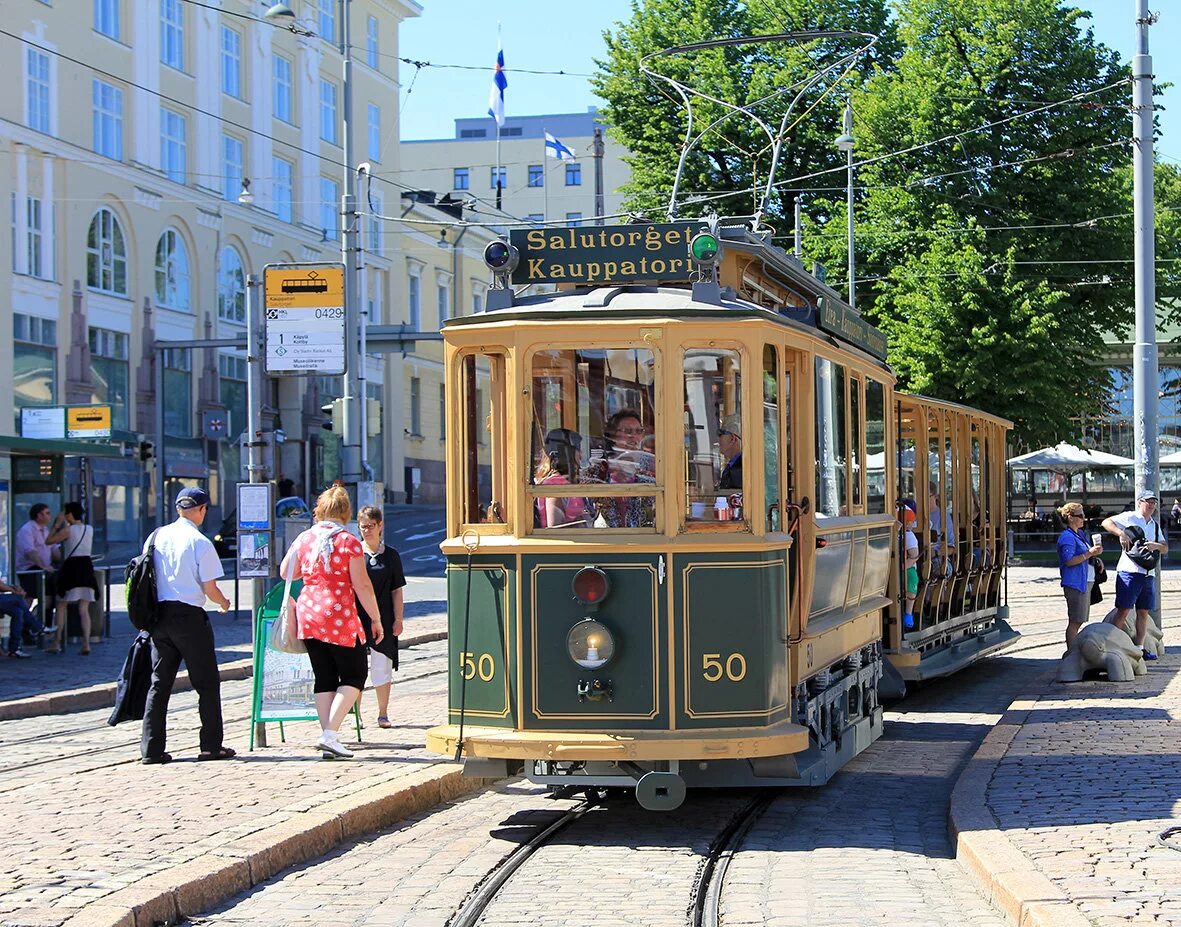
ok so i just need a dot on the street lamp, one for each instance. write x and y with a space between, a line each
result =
845 142
354 407
246 198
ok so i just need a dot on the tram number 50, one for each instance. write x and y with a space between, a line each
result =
472 665
713 668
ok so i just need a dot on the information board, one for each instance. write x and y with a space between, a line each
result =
88 421
44 424
304 320
254 507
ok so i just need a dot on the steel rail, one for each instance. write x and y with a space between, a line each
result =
468 914
707 891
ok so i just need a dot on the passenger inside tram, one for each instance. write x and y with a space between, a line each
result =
561 463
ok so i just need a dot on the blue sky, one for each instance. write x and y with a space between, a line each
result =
568 36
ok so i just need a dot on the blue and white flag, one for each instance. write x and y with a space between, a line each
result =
496 94
555 149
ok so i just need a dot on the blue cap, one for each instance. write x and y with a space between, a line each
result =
191 498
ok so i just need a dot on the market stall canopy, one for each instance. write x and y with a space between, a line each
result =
1067 458
1171 460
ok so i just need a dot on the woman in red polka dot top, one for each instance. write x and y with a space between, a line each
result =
331 564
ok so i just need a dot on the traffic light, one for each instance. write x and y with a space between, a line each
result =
147 450
335 409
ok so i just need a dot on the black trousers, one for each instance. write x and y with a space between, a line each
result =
182 632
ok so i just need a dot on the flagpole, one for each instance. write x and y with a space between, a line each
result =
499 181
544 179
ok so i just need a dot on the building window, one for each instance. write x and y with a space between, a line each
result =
415 303
37 90
172 33
231 286
473 133
282 84
36 226
231 167
34 362
328 111
443 301
172 272
371 42
106 254
108 373
462 179
375 229
416 407
173 149
477 302
330 208
512 131
374 132
231 376
442 412
282 187
231 62
535 217
106 18
178 406
573 218
573 175
328 20
503 172
536 175
108 120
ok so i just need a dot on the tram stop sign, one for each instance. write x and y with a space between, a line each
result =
304 322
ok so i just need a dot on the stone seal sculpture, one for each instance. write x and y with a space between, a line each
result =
1103 647
1154 640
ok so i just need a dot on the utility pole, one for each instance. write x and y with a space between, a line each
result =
598 150
845 143
350 254
254 437
1145 383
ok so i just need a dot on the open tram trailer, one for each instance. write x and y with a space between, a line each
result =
620 613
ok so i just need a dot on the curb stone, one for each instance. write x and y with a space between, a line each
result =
198 885
1005 875
103 695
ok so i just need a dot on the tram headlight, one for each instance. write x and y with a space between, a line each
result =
590 586
590 644
501 257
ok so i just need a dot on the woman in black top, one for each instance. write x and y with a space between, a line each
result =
385 572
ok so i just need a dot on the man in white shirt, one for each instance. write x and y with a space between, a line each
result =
1135 586
187 570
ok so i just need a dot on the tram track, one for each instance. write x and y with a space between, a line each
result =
706 904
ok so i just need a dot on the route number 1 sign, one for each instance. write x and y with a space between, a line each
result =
304 320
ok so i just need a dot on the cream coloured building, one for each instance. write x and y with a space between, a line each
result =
130 130
534 187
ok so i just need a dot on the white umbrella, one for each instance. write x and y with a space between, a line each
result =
1172 459
1067 458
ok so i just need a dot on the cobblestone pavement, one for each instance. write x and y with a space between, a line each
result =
45 673
870 848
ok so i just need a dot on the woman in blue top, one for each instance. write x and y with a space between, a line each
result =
1074 555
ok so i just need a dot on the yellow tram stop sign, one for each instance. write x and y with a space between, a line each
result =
88 421
304 320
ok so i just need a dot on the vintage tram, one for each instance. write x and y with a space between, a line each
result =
673 537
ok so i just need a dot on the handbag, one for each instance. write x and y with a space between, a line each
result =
282 635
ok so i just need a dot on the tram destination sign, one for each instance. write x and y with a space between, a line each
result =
304 319
846 324
604 254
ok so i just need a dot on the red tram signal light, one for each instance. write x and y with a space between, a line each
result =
590 586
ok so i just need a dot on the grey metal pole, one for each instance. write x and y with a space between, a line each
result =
599 148
1145 384
161 502
799 229
349 250
852 272
254 467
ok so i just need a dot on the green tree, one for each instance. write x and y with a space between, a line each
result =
648 117
986 255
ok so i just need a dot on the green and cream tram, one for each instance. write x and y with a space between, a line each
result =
673 546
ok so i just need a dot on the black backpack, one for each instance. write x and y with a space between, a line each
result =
1146 559
141 588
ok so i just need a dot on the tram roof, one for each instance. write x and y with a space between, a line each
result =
643 301
954 407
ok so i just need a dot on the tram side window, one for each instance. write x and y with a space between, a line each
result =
772 445
713 435
593 425
831 450
481 432
875 447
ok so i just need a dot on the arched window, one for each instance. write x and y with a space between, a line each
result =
172 271
231 286
106 254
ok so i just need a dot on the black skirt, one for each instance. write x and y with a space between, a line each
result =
76 573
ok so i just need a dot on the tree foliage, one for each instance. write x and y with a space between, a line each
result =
997 252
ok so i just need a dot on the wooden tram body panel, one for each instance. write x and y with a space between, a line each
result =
751 648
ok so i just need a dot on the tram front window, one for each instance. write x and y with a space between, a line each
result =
593 427
713 435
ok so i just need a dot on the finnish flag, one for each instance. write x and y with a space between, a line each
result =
555 149
496 94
